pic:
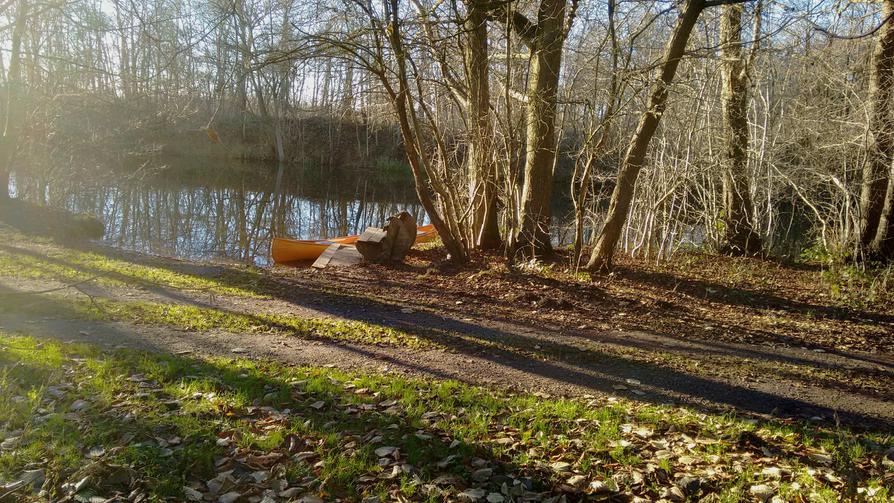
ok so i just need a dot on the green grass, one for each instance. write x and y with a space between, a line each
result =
69 265
197 318
858 287
166 422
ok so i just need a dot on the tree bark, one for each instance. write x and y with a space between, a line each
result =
634 158
739 237
881 127
12 123
482 170
532 237
882 246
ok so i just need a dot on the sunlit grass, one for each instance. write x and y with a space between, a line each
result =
70 265
197 401
197 318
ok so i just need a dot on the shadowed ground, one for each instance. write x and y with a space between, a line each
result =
451 332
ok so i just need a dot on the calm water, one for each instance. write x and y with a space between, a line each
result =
228 211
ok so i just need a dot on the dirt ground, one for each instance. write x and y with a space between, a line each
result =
752 336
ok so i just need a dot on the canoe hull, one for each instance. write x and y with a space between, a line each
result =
285 250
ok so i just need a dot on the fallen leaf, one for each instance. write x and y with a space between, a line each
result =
192 494
763 492
482 474
78 405
473 494
386 451
561 467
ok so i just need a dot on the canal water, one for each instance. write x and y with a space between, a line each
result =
226 210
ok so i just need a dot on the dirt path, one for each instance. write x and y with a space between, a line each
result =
489 340
505 370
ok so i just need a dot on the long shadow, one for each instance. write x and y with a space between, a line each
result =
168 292
303 427
749 298
592 295
682 346
598 371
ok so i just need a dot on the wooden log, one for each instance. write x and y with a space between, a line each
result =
374 245
403 228
391 243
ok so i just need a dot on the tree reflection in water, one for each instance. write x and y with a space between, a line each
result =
227 211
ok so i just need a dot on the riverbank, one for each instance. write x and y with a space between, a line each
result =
731 347
39 220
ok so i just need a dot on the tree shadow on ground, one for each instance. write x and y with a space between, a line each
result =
590 371
750 298
593 369
280 429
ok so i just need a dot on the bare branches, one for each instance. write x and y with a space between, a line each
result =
887 19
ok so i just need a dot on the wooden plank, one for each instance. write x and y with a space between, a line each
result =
338 255
373 235
346 255
325 257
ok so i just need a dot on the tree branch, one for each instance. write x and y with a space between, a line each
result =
716 3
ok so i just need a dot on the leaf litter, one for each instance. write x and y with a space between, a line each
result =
268 439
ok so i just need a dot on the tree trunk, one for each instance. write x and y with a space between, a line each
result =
4 181
881 126
882 247
583 187
532 237
347 92
482 170
634 158
12 126
739 237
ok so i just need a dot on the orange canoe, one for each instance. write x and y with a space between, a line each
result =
286 250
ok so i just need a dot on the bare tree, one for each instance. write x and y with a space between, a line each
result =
635 157
739 236
14 99
545 40
483 182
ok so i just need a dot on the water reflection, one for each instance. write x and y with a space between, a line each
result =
228 212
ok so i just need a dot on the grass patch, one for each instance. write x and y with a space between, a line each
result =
860 287
161 426
70 265
197 318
